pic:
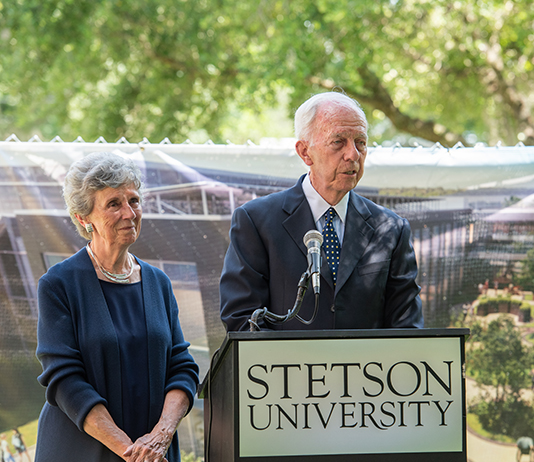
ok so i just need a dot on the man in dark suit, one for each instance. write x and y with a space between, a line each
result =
371 283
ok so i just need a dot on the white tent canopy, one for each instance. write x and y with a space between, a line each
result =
386 167
520 212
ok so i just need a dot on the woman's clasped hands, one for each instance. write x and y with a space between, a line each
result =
151 447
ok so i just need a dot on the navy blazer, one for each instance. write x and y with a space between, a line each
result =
266 258
78 349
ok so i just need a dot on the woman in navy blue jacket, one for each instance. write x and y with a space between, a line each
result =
117 371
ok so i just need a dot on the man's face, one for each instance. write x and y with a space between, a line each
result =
336 153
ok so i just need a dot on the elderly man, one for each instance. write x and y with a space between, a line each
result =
369 268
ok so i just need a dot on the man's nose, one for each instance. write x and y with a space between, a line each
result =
352 152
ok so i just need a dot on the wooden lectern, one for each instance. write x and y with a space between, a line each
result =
390 395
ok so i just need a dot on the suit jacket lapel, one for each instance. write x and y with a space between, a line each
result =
300 218
358 233
299 222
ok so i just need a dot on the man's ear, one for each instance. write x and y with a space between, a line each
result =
302 149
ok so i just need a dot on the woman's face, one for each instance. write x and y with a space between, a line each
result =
116 216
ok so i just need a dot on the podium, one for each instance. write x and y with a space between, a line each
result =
338 395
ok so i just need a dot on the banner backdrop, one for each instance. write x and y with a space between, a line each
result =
471 212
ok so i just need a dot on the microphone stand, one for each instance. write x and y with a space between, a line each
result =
264 313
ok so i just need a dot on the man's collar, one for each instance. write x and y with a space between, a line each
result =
319 206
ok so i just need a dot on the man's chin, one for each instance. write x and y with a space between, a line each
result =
350 182
357 179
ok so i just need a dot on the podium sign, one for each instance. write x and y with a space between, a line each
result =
351 396
388 395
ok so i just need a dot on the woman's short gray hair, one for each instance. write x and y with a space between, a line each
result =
305 114
94 172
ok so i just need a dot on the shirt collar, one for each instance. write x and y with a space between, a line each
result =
319 206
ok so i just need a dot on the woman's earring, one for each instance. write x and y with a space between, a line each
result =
89 228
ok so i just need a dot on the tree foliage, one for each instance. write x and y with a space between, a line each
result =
510 417
503 363
440 70
525 278
436 69
116 68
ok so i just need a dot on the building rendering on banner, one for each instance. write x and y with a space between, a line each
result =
192 191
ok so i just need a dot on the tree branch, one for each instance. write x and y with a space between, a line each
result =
509 93
377 96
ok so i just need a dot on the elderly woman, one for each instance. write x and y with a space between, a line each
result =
117 371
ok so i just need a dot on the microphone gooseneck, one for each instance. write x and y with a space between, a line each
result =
313 241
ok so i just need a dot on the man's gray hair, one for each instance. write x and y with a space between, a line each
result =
94 172
305 114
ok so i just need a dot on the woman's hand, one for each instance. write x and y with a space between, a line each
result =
153 446
100 425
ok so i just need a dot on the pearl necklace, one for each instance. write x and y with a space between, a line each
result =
119 278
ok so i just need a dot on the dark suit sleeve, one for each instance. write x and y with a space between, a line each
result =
403 305
244 285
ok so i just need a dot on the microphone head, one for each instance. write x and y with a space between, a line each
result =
313 238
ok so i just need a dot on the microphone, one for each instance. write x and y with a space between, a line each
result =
313 240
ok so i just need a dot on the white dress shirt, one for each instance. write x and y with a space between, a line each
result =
319 207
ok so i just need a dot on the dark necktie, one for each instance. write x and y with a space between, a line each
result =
332 247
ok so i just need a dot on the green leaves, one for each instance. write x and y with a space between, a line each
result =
525 278
444 71
501 360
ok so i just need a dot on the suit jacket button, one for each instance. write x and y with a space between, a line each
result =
333 308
